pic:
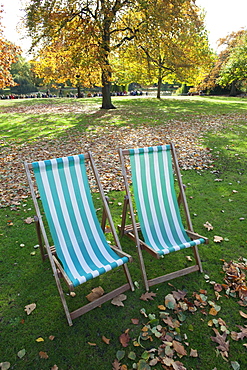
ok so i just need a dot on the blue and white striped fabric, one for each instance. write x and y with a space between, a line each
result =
156 203
78 238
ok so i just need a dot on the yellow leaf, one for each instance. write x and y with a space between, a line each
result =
40 339
213 311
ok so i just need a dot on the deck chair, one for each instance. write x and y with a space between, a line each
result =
157 208
81 251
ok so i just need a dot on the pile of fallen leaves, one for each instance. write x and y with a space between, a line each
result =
166 327
103 142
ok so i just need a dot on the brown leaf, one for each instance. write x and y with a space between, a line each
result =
118 301
221 340
116 365
148 295
29 308
124 338
193 353
43 355
217 239
92 344
95 294
29 220
179 348
135 321
243 314
208 226
105 340
54 367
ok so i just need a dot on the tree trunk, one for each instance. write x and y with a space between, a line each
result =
233 91
106 91
159 87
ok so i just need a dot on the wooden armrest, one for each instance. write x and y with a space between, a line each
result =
120 253
194 235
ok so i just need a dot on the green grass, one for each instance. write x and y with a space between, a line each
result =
24 279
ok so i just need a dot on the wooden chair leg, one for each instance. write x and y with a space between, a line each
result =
124 215
40 239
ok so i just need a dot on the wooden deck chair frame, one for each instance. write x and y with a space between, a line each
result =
48 251
134 228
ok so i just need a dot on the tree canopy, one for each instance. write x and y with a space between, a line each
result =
86 42
8 55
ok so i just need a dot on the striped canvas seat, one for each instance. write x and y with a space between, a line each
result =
80 243
156 203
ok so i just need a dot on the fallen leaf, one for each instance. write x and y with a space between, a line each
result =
124 338
51 337
29 308
208 226
105 340
118 301
54 367
21 353
5 365
29 220
95 294
244 315
223 346
120 355
179 348
135 321
40 339
92 344
148 295
116 365
43 355
217 239
193 353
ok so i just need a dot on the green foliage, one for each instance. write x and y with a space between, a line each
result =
235 68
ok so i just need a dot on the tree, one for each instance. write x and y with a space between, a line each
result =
214 80
173 44
22 75
8 55
93 25
234 70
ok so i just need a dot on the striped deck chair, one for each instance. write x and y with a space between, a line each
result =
157 208
81 251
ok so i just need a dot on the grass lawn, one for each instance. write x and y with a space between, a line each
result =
211 138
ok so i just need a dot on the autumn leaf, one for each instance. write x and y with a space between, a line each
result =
193 353
29 220
105 340
148 296
118 301
43 355
243 314
116 365
95 294
217 239
179 348
135 321
54 367
21 353
124 338
29 308
40 339
223 346
5 365
208 226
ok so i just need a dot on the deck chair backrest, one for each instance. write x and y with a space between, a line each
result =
81 250
156 201
80 243
160 229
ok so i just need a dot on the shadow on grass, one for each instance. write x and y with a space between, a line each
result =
49 118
